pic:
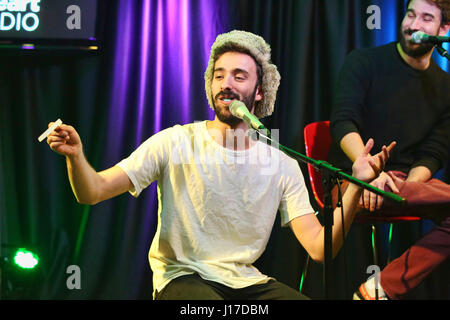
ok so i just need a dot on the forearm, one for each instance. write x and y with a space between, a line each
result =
84 180
350 201
419 174
352 145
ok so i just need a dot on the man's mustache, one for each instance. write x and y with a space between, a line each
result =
228 94
409 31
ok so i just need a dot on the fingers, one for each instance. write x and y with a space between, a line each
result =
375 202
366 199
61 135
55 141
58 137
63 131
381 163
379 203
385 151
390 182
370 201
391 146
368 147
367 167
55 145
63 127
375 167
382 156
394 177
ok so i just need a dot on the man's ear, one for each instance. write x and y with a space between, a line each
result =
443 29
259 94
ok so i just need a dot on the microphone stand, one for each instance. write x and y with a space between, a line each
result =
329 176
442 52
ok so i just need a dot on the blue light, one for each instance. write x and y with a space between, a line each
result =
442 61
389 22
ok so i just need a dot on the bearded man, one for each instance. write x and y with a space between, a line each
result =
397 92
217 206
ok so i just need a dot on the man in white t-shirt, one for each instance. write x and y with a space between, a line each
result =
218 189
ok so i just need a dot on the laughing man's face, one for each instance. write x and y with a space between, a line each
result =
234 78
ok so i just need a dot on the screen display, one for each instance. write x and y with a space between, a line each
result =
48 19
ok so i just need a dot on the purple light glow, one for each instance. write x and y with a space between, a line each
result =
143 69
160 51
178 26
185 42
159 64
27 47
211 10
120 79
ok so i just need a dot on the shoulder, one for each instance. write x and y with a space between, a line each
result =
190 129
371 55
440 81
177 132
437 72
169 138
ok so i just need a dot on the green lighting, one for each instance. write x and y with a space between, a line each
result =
301 283
390 233
26 259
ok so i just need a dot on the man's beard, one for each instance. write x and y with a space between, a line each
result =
231 119
418 51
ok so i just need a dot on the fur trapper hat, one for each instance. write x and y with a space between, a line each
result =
257 47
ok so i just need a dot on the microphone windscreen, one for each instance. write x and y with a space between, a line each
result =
234 108
417 37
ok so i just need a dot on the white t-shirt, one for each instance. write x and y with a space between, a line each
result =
216 206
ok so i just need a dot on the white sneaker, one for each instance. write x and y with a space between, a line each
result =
370 290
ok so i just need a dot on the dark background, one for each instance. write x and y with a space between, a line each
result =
147 76
52 21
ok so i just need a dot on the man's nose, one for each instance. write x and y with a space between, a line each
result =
415 24
227 83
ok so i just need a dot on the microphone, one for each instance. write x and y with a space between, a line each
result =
239 110
420 37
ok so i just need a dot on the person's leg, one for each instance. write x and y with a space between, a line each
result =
272 290
189 287
428 200
412 267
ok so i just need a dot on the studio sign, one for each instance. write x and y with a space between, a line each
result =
19 14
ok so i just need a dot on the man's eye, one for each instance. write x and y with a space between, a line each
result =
218 77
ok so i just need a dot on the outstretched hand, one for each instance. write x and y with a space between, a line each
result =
65 140
367 167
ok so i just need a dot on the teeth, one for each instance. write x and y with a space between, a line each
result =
226 100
